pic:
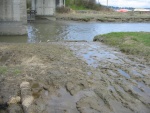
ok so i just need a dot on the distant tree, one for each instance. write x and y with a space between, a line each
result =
68 2
89 4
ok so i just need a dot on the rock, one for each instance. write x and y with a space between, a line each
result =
14 100
27 98
25 85
27 101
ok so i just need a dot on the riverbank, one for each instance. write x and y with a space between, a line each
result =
71 77
136 43
44 68
105 16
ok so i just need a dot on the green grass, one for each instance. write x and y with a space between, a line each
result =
16 71
6 70
137 43
3 70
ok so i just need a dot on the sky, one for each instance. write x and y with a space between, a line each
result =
127 3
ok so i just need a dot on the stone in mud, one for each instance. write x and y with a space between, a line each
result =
14 100
27 101
25 85
27 98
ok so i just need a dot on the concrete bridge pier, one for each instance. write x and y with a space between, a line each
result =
46 7
13 17
60 3
33 3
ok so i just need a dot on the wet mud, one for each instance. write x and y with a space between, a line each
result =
120 84
72 77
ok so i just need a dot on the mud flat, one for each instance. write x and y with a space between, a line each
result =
71 77
119 79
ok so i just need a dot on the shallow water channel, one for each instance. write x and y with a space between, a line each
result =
43 31
107 81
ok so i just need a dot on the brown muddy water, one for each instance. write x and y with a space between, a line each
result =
43 31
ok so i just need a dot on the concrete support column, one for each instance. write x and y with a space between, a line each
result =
59 3
64 3
33 5
13 17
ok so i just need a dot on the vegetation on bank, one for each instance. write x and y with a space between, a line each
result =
84 5
103 16
81 5
89 10
137 43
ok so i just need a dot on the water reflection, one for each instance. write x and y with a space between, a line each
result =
41 32
31 34
14 39
68 30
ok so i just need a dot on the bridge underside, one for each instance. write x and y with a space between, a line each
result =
13 14
13 17
46 7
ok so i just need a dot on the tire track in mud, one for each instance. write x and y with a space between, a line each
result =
123 86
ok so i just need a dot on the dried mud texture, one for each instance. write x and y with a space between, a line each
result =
98 80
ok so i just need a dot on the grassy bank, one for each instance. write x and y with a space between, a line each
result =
137 43
103 16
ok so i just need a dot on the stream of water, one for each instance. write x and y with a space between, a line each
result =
69 30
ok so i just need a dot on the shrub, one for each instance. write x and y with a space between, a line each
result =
85 4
